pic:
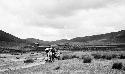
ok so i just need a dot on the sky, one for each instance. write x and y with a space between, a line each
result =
51 20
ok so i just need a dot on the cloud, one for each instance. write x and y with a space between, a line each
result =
68 7
58 19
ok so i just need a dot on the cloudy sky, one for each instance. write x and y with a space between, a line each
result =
60 19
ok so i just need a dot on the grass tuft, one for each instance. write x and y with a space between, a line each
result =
29 61
87 59
117 66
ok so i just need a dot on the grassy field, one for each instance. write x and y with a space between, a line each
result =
78 62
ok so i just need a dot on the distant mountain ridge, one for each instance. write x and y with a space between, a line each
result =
117 37
114 37
41 42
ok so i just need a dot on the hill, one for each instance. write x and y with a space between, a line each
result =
6 37
7 40
113 37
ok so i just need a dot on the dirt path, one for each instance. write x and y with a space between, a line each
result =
24 65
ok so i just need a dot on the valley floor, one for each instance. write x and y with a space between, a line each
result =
14 64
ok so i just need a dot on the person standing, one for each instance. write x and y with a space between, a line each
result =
47 50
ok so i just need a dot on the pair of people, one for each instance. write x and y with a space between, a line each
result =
51 54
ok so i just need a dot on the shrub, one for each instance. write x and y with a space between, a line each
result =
57 68
97 56
114 55
17 58
122 56
87 59
32 53
108 57
65 57
117 66
82 56
2 57
69 56
29 61
74 56
104 56
14 53
123 68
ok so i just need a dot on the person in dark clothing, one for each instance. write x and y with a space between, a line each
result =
54 52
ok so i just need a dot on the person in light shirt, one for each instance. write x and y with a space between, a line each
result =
47 50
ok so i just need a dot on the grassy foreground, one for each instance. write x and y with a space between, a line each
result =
77 63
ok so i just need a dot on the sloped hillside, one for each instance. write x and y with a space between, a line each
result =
6 37
117 37
121 36
8 40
